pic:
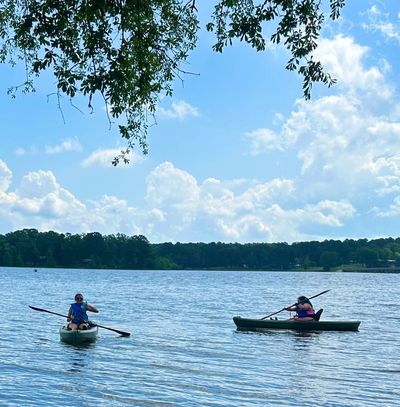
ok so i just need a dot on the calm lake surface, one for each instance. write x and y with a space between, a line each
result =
184 349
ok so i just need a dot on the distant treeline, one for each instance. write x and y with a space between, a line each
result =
30 248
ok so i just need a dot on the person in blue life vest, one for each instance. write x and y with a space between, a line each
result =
77 313
304 309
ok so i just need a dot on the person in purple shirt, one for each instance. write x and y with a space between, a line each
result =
304 309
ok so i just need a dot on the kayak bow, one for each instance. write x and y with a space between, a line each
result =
80 336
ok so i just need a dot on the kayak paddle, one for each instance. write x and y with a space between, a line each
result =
122 333
283 309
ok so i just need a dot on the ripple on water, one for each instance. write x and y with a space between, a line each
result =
184 349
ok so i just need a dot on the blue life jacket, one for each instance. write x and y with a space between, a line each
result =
79 312
302 313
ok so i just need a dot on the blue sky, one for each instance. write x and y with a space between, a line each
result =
236 155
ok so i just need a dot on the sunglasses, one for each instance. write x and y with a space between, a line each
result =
79 298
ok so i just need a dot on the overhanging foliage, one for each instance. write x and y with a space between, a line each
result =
130 51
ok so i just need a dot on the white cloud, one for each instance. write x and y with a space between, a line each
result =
387 172
211 208
178 208
379 21
41 202
348 143
392 211
262 140
172 187
345 148
5 176
125 219
20 151
179 110
67 145
245 227
104 158
276 224
343 58
175 193
37 184
328 213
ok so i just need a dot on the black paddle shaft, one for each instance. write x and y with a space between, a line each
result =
293 305
122 333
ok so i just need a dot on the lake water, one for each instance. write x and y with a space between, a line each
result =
184 349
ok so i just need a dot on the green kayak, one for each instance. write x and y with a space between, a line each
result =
78 337
259 325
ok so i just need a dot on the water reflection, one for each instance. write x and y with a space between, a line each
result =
306 336
273 332
299 341
304 340
79 356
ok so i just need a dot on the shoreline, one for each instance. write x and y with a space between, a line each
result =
378 270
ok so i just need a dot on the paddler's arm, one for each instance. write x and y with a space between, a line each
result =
91 308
